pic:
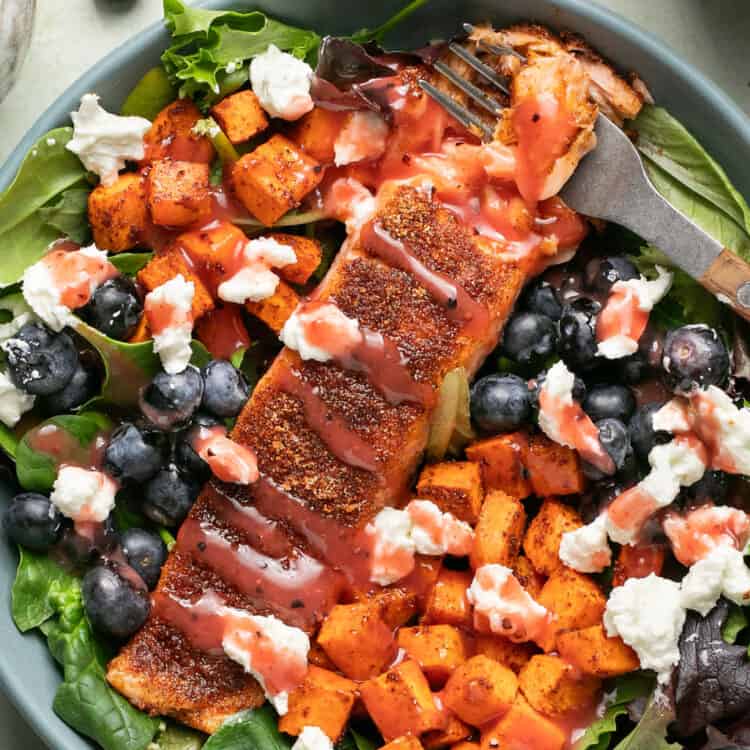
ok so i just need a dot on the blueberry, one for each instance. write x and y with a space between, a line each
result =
540 297
535 385
225 390
145 553
577 343
602 273
529 337
170 400
32 521
114 308
713 485
634 368
80 388
40 362
643 437
169 496
603 401
694 355
131 455
113 605
614 437
500 403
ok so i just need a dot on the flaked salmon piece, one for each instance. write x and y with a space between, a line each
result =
157 670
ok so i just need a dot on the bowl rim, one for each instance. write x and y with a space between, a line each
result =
18 692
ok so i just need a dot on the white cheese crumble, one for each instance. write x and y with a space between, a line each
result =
363 138
266 632
172 343
312 738
282 83
83 494
587 549
647 613
103 141
672 417
20 312
255 281
721 572
393 547
14 403
294 332
559 384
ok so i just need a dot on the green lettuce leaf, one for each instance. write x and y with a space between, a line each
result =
250 729
206 42
378 34
150 95
130 263
176 737
48 170
8 441
735 623
69 214
650 733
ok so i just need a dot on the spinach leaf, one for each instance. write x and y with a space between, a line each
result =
38 582
250 729
130 263
8 441
376 35
48 170
669 145
651 731
735 623
150 95
35 469
627 688
175 737
69 214
209 46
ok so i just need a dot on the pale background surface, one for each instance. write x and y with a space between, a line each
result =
71 35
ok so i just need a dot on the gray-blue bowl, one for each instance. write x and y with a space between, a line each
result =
27 672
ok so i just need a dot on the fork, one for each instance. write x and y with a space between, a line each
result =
610 183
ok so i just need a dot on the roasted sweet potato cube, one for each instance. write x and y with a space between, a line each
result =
554 687
317 131
438 649
400 702
542 541
275 310
319 658
499 531
523 728
501 459
323 700
396 606
142 332
309 255
165 266
240 116
422 579
118 213
512 655
171 135
223 331
454 731
553 469
357 640
593 652
480 690
575 600
455 487
447 603
638 561
274 178
527 576
407 742
177 192
214 247
466 746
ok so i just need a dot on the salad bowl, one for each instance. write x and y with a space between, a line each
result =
27 672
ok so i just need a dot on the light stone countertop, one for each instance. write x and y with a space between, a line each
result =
72 35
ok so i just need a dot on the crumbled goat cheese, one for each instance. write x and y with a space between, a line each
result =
312 738
14 403
393 546
587 549
172 341
559 384
103 141
438 533
722 572
344 331
672 417
255 281
83 494
282 83
647 613
363 137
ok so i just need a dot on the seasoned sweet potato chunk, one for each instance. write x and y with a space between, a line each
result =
118 214
593 652
396 606
501 459
309 255
240 116
275 310
455 487
499 531
542 541
499 648
438 649
553 469
275 178
447 603
527 576
523 728
454 731
171 135
317 131
407 742
553 687
177 193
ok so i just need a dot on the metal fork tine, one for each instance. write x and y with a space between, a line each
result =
466 118
494 48
491 105
484 70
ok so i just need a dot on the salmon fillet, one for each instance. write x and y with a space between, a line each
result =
158 670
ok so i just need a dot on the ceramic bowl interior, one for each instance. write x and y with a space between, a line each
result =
27 672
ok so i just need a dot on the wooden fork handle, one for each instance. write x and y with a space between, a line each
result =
728 277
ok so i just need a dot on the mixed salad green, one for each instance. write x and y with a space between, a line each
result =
208 58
